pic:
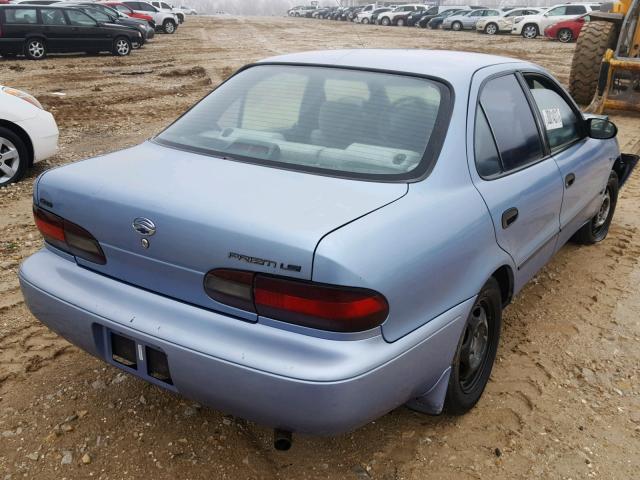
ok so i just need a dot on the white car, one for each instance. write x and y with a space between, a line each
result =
188 10
365 17
534 25
28 134
389 18
504 21
165 7
166 22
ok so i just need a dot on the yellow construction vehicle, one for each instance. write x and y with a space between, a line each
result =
606 64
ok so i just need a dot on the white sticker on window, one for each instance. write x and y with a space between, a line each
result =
552 118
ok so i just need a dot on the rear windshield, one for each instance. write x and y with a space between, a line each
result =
326 120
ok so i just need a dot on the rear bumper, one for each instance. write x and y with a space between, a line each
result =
257 371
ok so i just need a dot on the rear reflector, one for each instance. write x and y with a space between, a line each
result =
68 236
326 307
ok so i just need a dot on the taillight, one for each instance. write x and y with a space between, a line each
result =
315 305
68 236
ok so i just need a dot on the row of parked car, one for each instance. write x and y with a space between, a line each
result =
561 22
34 28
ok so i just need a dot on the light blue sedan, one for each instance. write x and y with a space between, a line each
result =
327 235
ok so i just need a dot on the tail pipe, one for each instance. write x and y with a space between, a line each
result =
282 440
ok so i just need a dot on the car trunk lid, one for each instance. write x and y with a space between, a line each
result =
208 213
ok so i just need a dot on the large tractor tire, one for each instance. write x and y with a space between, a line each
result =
594 40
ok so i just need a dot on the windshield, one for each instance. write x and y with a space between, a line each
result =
327 120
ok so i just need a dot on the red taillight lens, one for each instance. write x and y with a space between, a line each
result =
339 309
68 236
326 307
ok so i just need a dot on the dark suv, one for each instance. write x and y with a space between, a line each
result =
35 30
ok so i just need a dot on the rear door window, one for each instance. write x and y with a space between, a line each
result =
576 10
512 122
53 16
20 16
556 12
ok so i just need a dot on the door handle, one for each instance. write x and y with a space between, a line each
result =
509 217
569 179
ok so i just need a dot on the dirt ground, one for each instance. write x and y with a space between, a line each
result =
564 398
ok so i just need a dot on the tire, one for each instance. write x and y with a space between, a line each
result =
596 229
365 21
470 372
385 22
169 27
530 31
35 49
121 47
14 157
491 29
594 40
400 22
456 26
564 35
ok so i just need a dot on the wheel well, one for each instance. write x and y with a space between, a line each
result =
23 136
504 277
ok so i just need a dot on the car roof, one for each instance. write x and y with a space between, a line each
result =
445 64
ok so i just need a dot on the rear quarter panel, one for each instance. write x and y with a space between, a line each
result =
428 251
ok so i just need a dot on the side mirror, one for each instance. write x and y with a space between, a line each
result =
601 129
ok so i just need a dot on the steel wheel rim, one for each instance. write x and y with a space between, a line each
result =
474 350
36 49
491 29
529 32
564 36
122 47
9 160
603 214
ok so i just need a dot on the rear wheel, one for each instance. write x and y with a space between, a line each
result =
365 21
400 22
565 35
169 26
594 40
476 351
457 26
530 31
13 157
491 29
597 228
121 47
35 49
385 21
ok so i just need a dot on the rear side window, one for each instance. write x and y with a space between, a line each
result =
52 16
576 10
325 120
561 123
20 16
512 122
